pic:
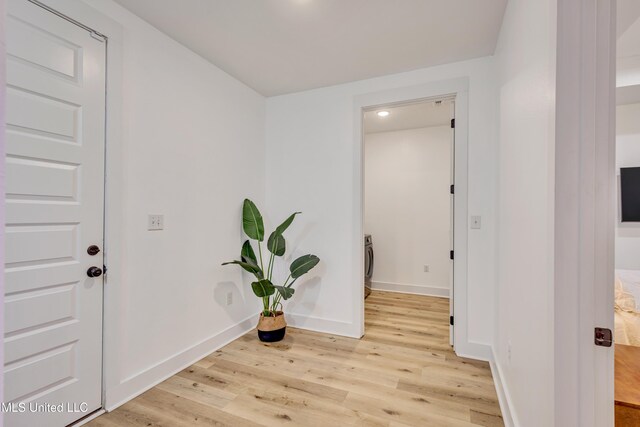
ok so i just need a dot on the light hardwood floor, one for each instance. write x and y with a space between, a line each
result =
402 373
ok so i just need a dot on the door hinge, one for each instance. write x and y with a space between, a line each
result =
451 320
452 189
451 254
453 123
603 337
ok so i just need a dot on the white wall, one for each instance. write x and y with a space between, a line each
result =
192 148
628 55
627 155
525 59
407 208
311 157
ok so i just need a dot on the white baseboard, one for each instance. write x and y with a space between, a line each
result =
143 381
319 324
474 350
504 397
88 418
410 289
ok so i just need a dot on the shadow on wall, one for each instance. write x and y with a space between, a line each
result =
307 290
220 293
303 303
306 297
294 243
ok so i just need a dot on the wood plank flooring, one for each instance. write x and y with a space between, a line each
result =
401 373
627 392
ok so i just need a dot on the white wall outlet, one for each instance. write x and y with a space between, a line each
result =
509 351
476 222
426 268
155 222
229 298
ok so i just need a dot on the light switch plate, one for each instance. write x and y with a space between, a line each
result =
476 222
155 222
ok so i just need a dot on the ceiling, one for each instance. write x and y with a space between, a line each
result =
410 116
628 45
628 12
283 46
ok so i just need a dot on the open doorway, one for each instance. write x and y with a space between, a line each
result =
627 236
627 261
408 206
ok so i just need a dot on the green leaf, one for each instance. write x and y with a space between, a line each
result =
263 288
255 266
252 223
247 252
287 222
291 284
286 292
302 265
249 266
276 244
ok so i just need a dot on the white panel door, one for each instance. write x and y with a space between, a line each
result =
54 212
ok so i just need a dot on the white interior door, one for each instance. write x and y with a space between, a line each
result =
54 212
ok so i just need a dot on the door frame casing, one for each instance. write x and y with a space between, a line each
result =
585 183
113 202
458 88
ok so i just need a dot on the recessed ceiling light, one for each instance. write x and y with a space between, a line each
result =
383 113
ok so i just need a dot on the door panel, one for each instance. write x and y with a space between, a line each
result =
49 117
42 179
54 211
44 49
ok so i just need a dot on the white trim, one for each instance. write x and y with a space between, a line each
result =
88 418
150 377
504 397
584 212
459 88
405 288
318 324
3 90
475 350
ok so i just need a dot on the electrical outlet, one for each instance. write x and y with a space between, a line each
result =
426 268
509 351
229 298
476 222
155 222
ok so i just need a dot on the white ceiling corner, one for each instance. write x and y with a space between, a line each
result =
283 46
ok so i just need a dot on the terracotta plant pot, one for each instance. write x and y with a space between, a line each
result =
272 328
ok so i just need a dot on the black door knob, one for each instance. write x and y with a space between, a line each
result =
93 250
94 271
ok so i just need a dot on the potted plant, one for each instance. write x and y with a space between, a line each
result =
272 325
